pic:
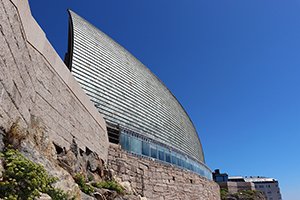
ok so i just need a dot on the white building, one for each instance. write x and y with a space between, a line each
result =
268 186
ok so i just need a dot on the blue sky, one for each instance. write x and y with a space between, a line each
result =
232 64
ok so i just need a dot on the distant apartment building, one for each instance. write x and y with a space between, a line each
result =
268 186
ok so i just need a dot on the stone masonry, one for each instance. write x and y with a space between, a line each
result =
35 81
158 181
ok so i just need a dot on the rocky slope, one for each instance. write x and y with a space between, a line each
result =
67 164
246 195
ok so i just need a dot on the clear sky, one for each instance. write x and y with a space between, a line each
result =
234 65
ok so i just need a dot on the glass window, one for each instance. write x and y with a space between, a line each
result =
145 148
153 151
136 146
188 164
219 179
192 166
179 161
183 163
173 158
161 154
126 142
168 156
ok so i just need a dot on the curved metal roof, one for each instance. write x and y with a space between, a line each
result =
125 91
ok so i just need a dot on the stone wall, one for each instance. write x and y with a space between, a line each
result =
159 181
35 81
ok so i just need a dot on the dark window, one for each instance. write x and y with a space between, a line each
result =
168 157
219 179
153 151
161 154
145 148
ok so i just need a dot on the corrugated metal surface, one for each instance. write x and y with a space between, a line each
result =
126 92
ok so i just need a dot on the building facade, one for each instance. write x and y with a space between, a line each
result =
268 186
140 111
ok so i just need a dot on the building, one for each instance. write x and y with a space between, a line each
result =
232 183
218 177
140 111
268 186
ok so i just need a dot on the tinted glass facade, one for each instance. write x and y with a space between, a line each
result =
128 94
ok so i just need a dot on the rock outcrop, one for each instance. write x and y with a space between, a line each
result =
66 163
246 195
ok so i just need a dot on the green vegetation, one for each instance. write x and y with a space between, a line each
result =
109 184
223 192
80 180
22 179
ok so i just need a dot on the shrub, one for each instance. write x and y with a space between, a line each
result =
223 192
22 179
109 184
80 180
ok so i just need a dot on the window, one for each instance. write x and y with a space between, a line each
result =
188 165
168 157
183 163
153 151
267 186
269 192
220 178
261 186
173 158
179 161
161 154
145 148
136 146
126 142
